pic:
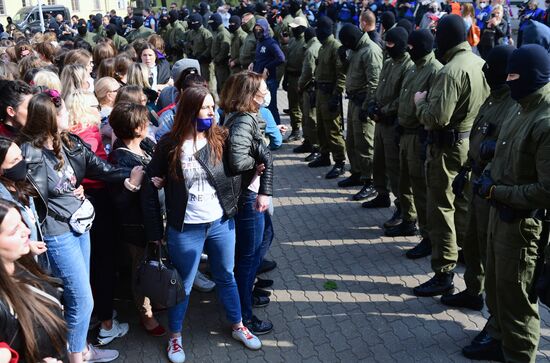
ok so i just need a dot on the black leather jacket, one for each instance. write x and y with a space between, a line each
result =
246 150
175 190
83 161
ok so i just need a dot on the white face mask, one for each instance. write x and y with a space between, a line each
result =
482 5
267 100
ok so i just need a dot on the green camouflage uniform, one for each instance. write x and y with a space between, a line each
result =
237 40
221 45
247 53
306 84
412 176
452 104
199 45
364 66
140 33
119 41
294 62
330 79
176 38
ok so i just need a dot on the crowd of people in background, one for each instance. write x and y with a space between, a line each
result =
121 137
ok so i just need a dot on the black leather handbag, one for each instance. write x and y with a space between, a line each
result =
159 280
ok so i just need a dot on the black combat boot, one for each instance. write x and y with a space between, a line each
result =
489 349
337 170
440 284
315 153
406 228
381 201
423 249
395 219
367 192
295 135
306 147
353 180
463 300
322 160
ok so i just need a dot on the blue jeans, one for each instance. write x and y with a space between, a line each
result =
267 237
272 86
69 256
185 248
250 230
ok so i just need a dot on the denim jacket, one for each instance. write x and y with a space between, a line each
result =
25 212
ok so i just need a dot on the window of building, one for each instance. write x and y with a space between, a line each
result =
75 4
121 4
2 7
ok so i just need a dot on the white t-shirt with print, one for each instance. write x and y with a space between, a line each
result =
203 205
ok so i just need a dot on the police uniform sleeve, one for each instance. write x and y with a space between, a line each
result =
436 110
372 64
340 74
307 70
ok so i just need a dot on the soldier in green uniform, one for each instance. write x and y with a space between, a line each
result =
237 39
82 29
454 99
517 183
221 44
199 45
293 69
247 52
112 34
384 113
497 108
140 31
330 81
364 63
412 177
176 37
306 87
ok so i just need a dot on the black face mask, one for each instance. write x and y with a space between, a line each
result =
298 31
233 27
195 25
259 34
16 173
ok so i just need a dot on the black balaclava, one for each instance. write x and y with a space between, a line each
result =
309 34
234 23
405 24
398 36
324 28
349 36
82 27
203 8
111 30
387 19
496 64
195 21
184 14
450 32
298 31
261 9
137 21
295 5
532 63
163 21
215 21
422 42
174 15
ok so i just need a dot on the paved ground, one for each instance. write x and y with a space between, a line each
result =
371 315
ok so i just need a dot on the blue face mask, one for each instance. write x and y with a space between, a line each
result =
203 124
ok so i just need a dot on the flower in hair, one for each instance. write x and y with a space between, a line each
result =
55 96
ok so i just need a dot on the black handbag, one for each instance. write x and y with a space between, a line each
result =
159 280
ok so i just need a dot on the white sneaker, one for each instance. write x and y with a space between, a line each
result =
249 340
203 283
99 355
118 330
175 350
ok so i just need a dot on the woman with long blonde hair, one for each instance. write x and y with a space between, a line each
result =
73 78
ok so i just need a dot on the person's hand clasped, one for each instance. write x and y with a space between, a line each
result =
262 203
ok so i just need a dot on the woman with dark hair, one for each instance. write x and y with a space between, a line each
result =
122 64
31 317
248 156
102 51
56 163
159 68
201 200
14 100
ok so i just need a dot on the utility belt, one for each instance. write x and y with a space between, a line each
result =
358 98
326 87
508 214
293 73
446 138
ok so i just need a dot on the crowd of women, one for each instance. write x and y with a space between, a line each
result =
105 152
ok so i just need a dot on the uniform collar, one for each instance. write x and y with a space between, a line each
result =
534 98
424 60
500 93
450 54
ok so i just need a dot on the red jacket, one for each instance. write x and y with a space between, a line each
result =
92 137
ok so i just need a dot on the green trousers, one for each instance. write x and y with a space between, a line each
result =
475 244
207 72
386 159
329 127
294 102
511 260
412 182
222 74
359 142
446 213
309 119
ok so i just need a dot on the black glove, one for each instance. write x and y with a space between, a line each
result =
364 115
373 111
460 181
334 102
487 150
342 54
